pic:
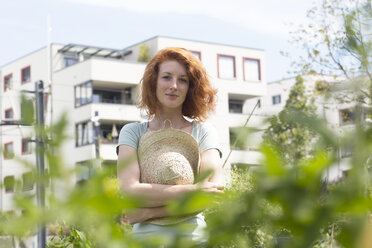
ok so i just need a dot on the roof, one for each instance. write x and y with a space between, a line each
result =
205 42
94 51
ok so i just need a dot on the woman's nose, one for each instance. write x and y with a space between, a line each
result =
173 83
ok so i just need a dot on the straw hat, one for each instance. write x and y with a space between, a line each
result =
168 156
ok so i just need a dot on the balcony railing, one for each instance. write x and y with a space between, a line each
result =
109 141
113 101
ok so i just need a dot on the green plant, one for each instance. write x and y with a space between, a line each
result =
73 238
293 139
144 54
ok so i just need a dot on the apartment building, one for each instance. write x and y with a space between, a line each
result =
337 113
97 87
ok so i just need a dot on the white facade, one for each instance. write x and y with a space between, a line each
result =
328 109
86 81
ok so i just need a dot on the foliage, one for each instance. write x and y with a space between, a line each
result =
292 203
74 239
144 54
336 40
293 139
273 205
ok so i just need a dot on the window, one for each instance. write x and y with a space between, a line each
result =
235 106
109 96
259 103
83 93
26 146
26 74
277 99
84 170
28 181
28 110
237 142
9 114
128 96
84 133
8 82
196 54
226 67
70 59
347 116
251 69
9 183
8 150
109 132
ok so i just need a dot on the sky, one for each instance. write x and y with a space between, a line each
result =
261 24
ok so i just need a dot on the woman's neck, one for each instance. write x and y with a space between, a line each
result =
161 121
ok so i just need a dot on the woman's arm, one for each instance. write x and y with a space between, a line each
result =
211 162
142 214
155 195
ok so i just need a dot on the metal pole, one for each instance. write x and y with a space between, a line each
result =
1 142
96 137
236 140
40 191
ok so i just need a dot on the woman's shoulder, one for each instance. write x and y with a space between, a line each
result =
203 126
134 128
130 134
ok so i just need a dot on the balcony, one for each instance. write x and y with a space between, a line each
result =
108 152
239 119
113 112
236 89
252 157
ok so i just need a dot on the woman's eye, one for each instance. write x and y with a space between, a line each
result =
184 80
166 77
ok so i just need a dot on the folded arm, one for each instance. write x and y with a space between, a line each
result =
157 195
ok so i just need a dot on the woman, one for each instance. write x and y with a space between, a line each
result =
174 86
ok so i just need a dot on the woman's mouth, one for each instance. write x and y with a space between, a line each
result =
172 95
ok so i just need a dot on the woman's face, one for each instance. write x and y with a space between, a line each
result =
172 85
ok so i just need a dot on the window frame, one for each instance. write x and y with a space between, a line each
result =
22 74
274 97
218 66
5 77
6 110
70 57
259 104
5 153
5 187
83 87
23 148
198 52
236 101
77 136
31 186
233 137
259 69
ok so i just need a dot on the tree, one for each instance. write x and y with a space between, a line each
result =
337 39
293 139
143 55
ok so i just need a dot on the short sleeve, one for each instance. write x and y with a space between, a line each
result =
208 138
130 135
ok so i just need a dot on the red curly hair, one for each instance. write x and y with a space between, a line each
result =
200 98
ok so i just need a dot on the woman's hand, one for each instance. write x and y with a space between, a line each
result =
210 187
